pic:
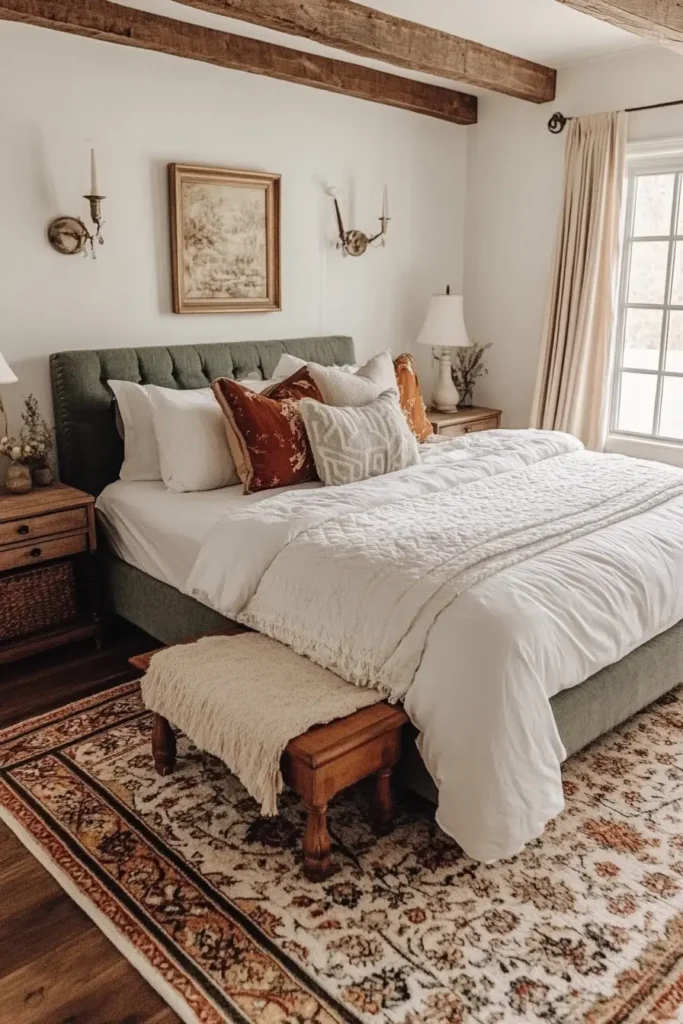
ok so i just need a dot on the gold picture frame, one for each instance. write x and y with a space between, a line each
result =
225 240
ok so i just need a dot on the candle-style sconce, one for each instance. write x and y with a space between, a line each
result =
69 235
354 242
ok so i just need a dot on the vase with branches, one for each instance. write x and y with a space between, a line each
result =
467 368
33 446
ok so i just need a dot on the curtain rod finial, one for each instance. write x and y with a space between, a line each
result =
557 123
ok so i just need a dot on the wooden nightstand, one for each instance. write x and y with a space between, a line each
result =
464 421
48 590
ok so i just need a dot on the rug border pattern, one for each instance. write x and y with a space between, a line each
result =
13 806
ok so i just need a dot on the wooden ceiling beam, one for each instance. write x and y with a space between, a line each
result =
113 23
367 32
654 19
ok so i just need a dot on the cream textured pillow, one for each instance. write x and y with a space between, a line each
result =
338 387
287 365
352 443
193 448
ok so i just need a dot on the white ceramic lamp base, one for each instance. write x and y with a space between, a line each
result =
445 397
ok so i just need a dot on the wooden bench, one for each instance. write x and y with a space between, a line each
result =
319 764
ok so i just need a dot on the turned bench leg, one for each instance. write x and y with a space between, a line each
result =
163 746
317 846
383 803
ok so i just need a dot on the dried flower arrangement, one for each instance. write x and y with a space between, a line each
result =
468 367
35 442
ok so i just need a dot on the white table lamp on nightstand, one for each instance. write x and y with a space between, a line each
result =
6 377
444 328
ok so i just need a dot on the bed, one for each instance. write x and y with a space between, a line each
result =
144 587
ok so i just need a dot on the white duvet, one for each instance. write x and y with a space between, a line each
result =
503 569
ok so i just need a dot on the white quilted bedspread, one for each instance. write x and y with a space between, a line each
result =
388 581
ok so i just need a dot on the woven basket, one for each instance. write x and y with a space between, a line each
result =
40 599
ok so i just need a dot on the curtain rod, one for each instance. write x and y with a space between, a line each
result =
558 122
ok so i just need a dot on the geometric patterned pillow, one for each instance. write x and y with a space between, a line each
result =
265 432
353 443
410 397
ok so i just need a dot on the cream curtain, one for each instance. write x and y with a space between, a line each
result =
573 371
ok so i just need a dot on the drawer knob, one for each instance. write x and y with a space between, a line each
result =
35 552
23 529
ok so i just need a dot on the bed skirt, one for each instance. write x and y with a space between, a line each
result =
582 713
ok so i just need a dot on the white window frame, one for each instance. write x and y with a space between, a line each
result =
642 159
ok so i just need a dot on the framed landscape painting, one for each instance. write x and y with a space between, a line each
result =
225 240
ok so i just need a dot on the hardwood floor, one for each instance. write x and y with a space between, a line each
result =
56 967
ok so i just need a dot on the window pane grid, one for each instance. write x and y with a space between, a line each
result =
652 373
648 379
668 293
652 305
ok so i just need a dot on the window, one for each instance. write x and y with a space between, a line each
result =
647 398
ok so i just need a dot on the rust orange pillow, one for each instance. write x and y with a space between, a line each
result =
266 435
410 397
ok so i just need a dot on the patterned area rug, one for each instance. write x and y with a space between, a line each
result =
209 903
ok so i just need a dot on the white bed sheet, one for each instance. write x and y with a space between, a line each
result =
162 532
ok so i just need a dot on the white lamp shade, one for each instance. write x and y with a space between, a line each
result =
6 375
444 326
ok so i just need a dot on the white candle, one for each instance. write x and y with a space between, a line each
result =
93 174
385 204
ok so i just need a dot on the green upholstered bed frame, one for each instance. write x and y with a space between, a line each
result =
89 448
90 456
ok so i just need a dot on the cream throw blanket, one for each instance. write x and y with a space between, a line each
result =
243 698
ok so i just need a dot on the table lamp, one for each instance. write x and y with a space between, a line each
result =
6 377
444 328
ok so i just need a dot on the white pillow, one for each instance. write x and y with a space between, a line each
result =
380 370
287 365
141 454
140 448
257 385
340 388
193 446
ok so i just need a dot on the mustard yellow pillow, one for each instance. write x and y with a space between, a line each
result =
411 398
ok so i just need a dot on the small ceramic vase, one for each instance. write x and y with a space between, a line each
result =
18 478
42 476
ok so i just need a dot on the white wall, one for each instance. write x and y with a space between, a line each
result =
515 172
59 95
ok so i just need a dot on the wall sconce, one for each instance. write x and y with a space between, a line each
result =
355 243
69 235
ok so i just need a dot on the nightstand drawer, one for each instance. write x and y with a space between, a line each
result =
49 593
458 429
466 420
490 424
43 551
19 530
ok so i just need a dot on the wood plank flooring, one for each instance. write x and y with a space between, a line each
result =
56 967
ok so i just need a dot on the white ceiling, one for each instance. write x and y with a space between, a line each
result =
540 30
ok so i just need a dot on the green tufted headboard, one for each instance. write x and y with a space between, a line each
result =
89 448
